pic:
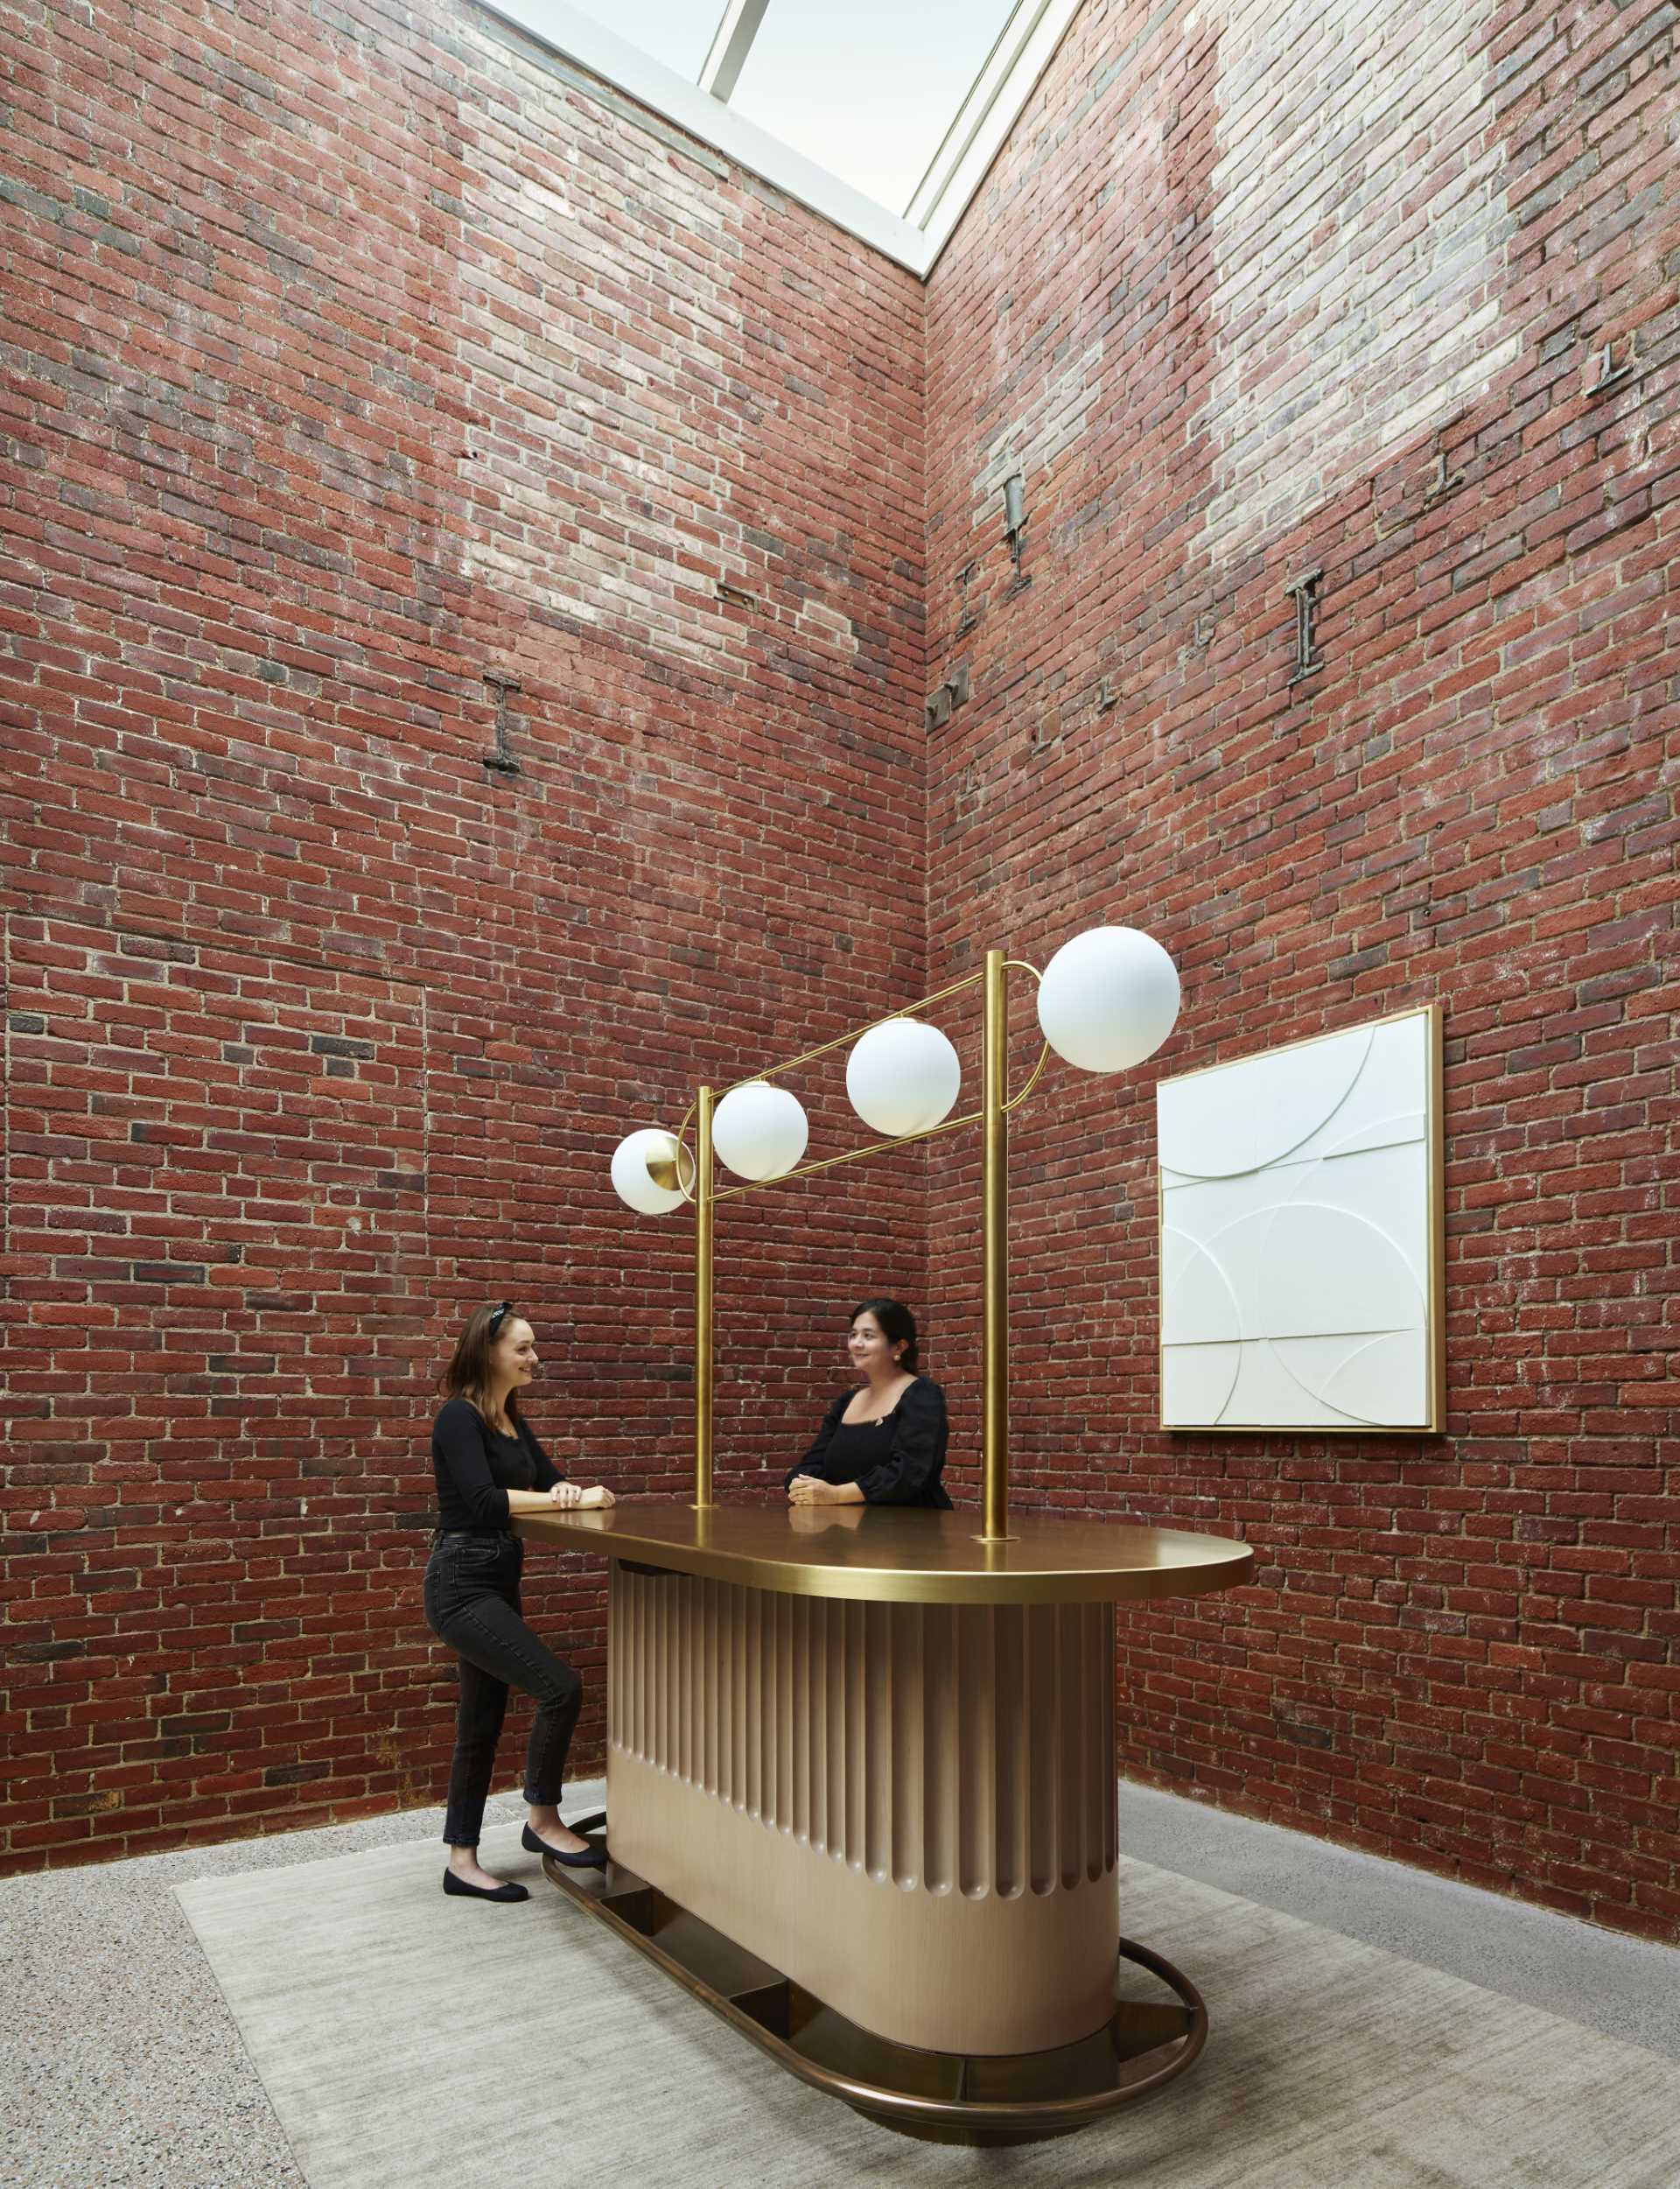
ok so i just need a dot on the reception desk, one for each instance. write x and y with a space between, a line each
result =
861 1792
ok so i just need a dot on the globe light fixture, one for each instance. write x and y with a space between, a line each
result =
903 1077
759 1131
1108 999
642 1163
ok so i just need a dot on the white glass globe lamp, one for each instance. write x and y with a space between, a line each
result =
1108 999
903 1077
635 1160
758 1131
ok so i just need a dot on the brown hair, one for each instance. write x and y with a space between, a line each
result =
468 1374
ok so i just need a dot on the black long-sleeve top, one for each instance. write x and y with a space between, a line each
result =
896 1461
476 1466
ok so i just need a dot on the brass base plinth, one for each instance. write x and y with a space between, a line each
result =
940 2097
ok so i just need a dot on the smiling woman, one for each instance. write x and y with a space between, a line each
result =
884 1443
490 1467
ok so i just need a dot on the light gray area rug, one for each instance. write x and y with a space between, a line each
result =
405 2039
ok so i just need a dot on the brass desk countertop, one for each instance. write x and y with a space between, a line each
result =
902 1555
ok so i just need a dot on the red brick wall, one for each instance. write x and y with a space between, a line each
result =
349 364
1244 271
355 355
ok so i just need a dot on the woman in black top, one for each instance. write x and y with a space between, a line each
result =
884 1444
489 1466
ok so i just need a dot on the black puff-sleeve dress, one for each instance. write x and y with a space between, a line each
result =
896 1461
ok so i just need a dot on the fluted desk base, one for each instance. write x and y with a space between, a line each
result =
909 1809
861 1786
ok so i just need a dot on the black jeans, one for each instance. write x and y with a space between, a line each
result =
472 1599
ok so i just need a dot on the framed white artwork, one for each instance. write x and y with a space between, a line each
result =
1301 1221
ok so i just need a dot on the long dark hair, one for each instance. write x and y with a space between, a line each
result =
897 1326
468 1374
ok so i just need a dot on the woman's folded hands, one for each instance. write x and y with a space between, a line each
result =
574 1496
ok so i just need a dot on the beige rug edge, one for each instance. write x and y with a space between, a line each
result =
506 2038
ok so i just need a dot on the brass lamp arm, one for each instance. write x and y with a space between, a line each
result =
853 1155
904 1140
1014 1102
773 1071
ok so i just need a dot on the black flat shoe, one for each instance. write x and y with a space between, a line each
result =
461 1889
589 1859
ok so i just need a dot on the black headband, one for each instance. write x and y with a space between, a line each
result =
498 1316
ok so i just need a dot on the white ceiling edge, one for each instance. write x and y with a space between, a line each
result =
973 142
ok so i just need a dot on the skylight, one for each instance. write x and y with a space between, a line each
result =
869 88
882 115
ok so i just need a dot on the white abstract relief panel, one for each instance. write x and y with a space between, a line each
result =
1298 1194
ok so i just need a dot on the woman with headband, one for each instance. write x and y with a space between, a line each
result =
490 1468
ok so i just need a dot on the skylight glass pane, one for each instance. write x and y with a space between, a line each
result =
678 32
867 88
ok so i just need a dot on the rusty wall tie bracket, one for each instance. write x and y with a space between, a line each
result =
501 760
1611 375
1442 482
1304 591
952 694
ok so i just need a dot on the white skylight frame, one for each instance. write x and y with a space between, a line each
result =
1023 51
730 44
1006 82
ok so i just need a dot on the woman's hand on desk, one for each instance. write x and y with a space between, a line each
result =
571 1495
812 1490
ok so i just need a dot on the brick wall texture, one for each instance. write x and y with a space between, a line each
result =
1244 273
361 357
357 356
